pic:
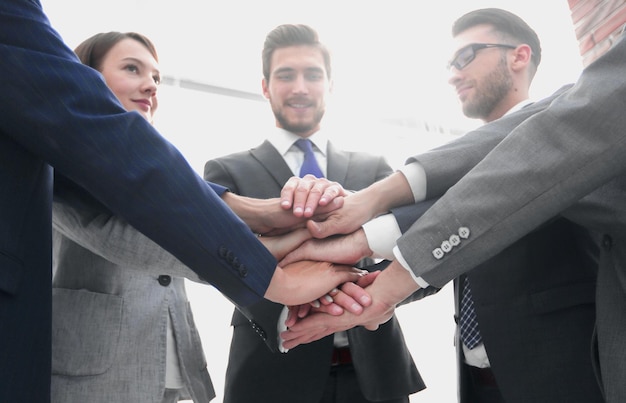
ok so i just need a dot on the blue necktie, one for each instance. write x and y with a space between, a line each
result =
470 335
309 166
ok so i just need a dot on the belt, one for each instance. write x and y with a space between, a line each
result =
341 356
482 376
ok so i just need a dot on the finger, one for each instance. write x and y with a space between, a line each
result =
371 327
301 195
368 279
287 192
356 295
323 229
348 303
328 298
331 192
322 212
331 309
292 316
304 310
315 193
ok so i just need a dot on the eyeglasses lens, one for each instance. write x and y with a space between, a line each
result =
463 58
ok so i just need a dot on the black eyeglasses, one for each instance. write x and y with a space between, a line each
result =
468 53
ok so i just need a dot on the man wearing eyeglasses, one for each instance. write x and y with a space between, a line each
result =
530 334
525 317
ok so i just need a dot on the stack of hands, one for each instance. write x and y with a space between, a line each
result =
314 231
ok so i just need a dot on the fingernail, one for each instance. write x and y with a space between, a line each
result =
356 307
297 210
315 304
328 298
365 299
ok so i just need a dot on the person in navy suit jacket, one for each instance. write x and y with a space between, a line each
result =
56 112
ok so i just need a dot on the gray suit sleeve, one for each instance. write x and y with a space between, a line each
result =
546 165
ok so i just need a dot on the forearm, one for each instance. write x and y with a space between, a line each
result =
380 197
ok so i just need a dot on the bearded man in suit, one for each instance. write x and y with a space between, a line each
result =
357 366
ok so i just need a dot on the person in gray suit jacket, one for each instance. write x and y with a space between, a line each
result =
534 314
566 159
357 366
118 334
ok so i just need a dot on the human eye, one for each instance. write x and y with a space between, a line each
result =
465 56
157 79
315 76
285 76
133 68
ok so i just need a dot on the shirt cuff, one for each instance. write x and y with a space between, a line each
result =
381 234
416 176
420 281
281 328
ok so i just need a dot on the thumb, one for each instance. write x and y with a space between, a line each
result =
320 229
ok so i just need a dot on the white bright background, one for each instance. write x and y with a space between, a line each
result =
391 97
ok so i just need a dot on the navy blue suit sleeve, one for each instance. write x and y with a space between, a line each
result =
56 110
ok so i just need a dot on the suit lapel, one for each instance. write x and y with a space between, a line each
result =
337 165
273 162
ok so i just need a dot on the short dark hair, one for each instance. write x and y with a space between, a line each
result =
291 35
94 49
508 25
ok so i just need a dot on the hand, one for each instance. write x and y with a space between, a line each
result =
304 281
267 217
389 288
345 249
281 245
351 296
306 194
362 206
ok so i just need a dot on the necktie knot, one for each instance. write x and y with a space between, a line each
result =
309 165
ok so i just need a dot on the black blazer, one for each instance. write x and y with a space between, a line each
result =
381 359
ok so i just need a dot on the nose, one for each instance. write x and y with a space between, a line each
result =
455 76
149 85
300 85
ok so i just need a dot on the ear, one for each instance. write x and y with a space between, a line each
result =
264 86
331 86
522 57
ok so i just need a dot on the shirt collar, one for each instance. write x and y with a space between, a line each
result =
519 106
282 140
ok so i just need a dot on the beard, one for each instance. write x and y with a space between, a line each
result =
298 127
490 92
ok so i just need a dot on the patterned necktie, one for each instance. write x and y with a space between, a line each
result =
309 166
470 335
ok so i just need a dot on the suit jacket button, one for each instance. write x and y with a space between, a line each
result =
454 240
464 232
438 253
446 246
165 280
